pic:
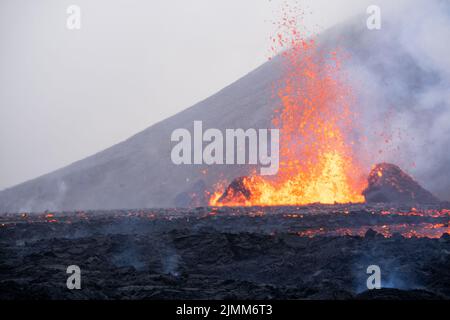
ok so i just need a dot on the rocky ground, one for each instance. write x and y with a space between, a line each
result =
312 252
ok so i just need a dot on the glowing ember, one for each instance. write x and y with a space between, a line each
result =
421 230
315 119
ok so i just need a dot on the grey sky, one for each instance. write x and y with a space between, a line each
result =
65 95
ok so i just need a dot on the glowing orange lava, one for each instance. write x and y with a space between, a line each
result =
315 119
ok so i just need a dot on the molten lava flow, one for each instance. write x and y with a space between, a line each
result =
315 122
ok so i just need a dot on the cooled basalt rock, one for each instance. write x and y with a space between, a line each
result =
388 183
237 191
225 253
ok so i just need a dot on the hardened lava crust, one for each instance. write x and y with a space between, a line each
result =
307 252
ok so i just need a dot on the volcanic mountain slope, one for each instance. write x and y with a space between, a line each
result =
139 173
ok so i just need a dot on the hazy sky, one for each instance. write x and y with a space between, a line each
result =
67 94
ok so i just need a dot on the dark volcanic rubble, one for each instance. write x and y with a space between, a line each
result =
236 191
224 253
388 183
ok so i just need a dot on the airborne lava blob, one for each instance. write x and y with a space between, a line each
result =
315 119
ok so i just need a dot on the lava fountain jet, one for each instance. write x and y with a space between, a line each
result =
315 118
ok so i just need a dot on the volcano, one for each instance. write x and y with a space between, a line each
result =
138 172
386 183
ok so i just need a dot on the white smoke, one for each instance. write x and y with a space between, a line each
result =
401 77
